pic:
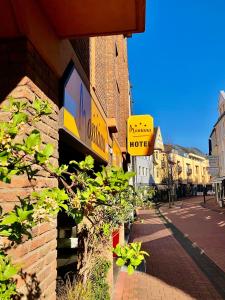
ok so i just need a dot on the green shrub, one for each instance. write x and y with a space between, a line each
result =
76 291
95 288
98 279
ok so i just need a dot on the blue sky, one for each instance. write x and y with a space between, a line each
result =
177 68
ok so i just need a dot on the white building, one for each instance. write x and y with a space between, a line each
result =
144 170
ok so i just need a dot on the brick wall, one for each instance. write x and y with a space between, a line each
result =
24 75
123 82
109 77
82 49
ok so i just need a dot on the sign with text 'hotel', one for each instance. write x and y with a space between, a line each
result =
140 135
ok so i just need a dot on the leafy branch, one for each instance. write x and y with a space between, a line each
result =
98 202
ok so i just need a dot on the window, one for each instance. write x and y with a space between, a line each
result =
196 169
139 170
143 171
116 50
118 88
156 154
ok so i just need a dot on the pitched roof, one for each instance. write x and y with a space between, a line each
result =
185 150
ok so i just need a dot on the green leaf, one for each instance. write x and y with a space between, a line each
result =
37 105
117 250
42 107
64 206
5 233
120 262
130 253
130 270
4 159
99 180
19 118
76 215
9 219
144 253
33 140
60 170
101 197
48 150
23 214
89 161
10 271
129 175
135 262
73 162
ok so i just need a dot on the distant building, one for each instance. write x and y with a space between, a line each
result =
158 157
144 171
189 169
186 169
148 168
217 152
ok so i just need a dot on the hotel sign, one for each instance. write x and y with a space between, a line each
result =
140 135
82 118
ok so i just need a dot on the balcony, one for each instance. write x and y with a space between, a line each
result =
163 164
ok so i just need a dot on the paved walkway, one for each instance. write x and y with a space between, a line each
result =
205 227
171 272
213 205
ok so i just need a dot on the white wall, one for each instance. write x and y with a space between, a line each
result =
144 170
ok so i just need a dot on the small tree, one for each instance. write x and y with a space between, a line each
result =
98 202
170 174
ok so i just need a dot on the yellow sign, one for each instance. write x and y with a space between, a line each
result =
140 135
82 118
117 154
98 132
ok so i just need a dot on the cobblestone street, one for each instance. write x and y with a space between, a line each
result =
177 268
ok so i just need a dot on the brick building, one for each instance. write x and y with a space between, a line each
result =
39 57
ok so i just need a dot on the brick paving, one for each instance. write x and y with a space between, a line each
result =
171 272
212 204
205 227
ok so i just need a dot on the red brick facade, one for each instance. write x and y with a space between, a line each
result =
25 75
110 79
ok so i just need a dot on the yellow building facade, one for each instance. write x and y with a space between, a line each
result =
180 166
189 168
